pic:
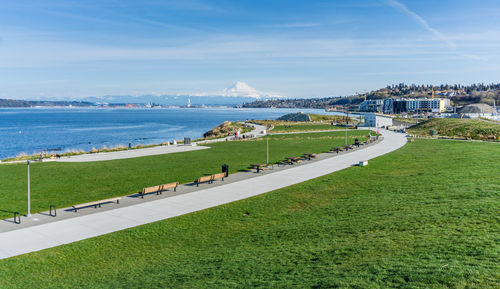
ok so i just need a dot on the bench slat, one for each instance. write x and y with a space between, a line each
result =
95 203
218 176
153 189
174 186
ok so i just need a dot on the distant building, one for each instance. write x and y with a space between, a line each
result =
405 105
372 105
377 119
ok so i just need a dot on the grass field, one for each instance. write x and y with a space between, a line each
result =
424 216
66 184
297 127
460 128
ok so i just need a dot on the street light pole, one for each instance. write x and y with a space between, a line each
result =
267 148
29 192
346 123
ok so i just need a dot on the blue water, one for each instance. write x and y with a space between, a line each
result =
33 130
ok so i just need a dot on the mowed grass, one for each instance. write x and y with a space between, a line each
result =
66 184
305 127
459 128
424 216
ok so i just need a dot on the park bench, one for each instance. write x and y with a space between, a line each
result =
97 203
148 190
218 176
203 180
166 187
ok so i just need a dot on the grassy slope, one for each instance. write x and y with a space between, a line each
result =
325 117
425 216
461 128
304 127
65 184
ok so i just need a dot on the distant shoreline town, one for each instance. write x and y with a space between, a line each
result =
393 99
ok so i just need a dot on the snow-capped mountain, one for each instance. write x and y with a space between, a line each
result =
242 89
238 93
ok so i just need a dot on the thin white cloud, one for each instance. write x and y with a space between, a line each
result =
20 51
424 24
294 25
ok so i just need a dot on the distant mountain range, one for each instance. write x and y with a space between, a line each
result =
237 94
241 93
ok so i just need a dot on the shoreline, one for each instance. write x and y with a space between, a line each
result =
138 151
29 131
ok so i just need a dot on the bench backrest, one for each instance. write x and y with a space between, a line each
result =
204 179
169 186
219 176
153 189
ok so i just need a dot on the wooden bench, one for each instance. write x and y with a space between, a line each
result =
148 190
97 203
166 187
203 180
218 176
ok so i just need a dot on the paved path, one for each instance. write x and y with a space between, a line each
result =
159 150
52 234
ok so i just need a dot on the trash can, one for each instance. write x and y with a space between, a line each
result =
356 142
187 140
225 169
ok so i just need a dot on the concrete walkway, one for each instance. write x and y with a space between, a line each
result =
158 150
38 237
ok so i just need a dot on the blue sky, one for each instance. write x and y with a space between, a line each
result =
71 49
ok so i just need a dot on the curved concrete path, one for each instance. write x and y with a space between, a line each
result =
39 237
158 150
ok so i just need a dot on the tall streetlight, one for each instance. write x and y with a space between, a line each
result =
29 192
267 148
346 123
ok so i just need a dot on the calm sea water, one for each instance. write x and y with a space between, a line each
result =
33 130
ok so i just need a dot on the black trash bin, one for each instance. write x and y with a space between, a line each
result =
356 142
225 169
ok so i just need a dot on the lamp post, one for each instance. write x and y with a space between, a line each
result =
267 148
346 123
29 192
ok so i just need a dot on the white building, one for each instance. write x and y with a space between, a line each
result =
377 119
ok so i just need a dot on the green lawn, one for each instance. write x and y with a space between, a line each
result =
296 127
424 216
460 128
66 184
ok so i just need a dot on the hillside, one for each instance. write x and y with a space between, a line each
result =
459 95
459 128
29 103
